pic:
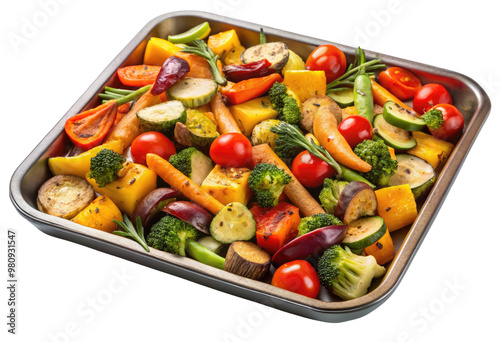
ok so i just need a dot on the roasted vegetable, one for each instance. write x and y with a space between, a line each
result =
397 206
171 71
200 48
152 204
287 107
192 163
200 31
329 195
247 260
435 151
267 181
310 223
162 117
99 215
198 131
356 200
261 133
223 43
234 222
158 50
228 184
250 113
240 72
192 213
305 83
176 236
105 166
250 89
416 172
346 274
275 52
64 196
193 92
376 153
311 107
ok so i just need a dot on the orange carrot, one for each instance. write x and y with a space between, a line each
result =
198 66
382 95
182 183
325 130
225 120
128 128
295 192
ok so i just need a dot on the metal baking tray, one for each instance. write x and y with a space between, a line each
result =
468 96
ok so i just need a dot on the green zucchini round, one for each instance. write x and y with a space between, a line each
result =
402 117
364 232
344 97
193 92
393 136
233 223
162 117
416 172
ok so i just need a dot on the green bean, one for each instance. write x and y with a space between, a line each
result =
363 96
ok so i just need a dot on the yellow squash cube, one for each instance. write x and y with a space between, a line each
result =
80 165
228 184
305 83
222 43
250 113
435 151
158 50
234 56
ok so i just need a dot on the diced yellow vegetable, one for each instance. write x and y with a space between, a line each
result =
435 151
228 184
392 152
222 43
250 113
158 50
99 215
306 83
80 165
234 56
397 206
295 62
292 94
127 191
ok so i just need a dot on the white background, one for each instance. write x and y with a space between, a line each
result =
44 75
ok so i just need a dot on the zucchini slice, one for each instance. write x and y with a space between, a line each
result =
344 97
193 92
162 117
199 131
276 53
233 223
364 232
393 136
402 117
414 171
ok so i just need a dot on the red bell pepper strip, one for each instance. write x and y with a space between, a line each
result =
88 129
250 89
240 72
138 75
275 226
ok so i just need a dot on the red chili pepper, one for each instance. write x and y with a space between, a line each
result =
237 73
88 129
250 89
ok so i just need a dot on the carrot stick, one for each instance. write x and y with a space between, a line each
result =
182 183
382 95
225 120
295 192
325 130
128 128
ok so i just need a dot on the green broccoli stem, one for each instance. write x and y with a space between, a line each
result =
351 176
204 255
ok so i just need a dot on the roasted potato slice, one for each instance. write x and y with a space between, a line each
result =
64 196
311 106
276 53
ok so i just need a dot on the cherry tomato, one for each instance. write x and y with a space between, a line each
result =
400 82
151 142
310 170
138 75
328 58
430 95
231 150
356 129
453 122
297 276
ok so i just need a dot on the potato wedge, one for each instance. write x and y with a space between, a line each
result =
311 106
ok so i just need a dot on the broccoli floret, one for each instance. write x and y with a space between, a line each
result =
346 274
267 182
170 235
310 223
376 153
433 118
105 165
287 107
329 195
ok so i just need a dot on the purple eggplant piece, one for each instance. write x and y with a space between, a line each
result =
153 203
192 213
171 71
310 244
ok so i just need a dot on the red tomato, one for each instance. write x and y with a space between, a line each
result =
231 150
400 82
329 59
297 276
310 170
138 75
453 122
430 95
355 129
151 142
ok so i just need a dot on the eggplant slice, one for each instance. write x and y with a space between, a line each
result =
276 53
